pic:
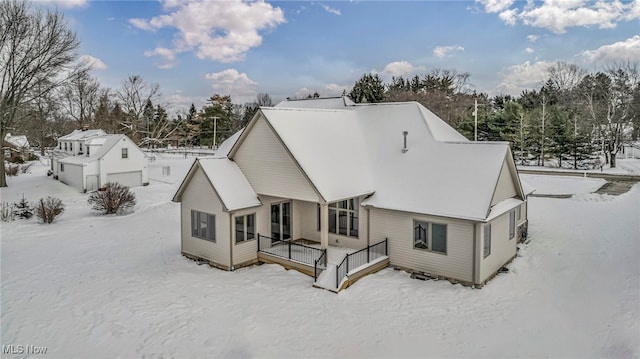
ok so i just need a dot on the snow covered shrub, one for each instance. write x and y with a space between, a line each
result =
113 198
11 170
49 208
25 168
6 212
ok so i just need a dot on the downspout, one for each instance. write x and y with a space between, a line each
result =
231 244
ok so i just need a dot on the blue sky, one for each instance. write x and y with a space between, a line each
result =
292 48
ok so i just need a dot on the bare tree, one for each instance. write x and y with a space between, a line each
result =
610 103
81 97
133 96
37 53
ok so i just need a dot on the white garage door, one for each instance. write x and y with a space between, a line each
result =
129 179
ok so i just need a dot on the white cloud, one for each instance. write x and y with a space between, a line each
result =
94 62
216 30
532 38
442 51
334 90
628 49
64 3
520 77
330 10
161 51
492 6
558 15
509 16
398 68
231 82
529 50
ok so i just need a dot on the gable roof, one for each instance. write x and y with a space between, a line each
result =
82 135
227 181
322 103
353 150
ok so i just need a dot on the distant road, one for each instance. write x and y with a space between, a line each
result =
603 175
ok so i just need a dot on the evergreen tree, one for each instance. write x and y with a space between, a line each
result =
369 88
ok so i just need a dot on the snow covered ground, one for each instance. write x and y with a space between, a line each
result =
562 184
90 286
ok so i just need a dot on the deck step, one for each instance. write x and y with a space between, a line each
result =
327 280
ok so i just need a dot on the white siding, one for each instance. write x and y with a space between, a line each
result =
269 168
505 187
112 161
72 176
398 228
502 248
200 196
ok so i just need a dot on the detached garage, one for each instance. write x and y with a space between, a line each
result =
108 158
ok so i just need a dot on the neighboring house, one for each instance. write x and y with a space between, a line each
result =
630 150
389 180
88 159
15 147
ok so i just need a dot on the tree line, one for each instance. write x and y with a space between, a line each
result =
574 116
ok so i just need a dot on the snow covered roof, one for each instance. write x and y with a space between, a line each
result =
106 142
357 150
227 180
323 103
19 141
226 145
82 135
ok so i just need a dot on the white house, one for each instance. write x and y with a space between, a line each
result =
365 185
88 159
15 147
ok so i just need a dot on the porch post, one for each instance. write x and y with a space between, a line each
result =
324 225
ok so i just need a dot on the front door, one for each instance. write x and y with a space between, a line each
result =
281 221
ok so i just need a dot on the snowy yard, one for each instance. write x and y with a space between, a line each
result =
91 286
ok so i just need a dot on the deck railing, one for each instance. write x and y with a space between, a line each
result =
290 250
359 258
320 265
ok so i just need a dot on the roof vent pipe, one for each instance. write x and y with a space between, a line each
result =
405 149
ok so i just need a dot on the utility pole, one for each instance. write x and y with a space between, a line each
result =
475 117
215 123
544 102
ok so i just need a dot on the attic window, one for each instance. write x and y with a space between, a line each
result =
125 153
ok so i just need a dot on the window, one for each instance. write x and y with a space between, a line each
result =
519 212
125 153
487 239
71 146
343 217
65 146
512 224
80 147
60 145
430 236
62 167
203 226
245 228
88 147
